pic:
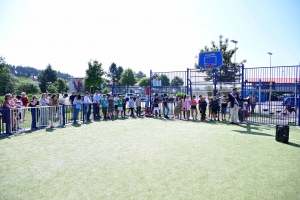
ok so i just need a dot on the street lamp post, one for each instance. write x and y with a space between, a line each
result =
270 87
235 42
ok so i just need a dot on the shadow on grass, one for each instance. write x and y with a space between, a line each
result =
293 144
249 128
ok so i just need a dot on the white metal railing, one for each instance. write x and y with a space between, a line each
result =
18 120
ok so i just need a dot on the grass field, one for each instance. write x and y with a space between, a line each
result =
150 159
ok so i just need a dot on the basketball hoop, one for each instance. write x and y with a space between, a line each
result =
209 66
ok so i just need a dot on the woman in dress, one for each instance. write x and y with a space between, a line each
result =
7 113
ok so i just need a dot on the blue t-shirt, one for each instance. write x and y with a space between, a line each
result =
104 102
203 105
214 105
131 103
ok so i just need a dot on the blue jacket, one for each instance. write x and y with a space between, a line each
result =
203 105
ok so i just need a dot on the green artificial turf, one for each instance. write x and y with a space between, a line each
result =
150 159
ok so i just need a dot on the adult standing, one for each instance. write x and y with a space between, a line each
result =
76 107
234 99
96 105
54 103
25 102
138 104
34 104
44 102
72 97
87 105
165 106
252 102
8 116
219 105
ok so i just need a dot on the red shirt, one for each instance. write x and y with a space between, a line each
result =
24 101
193 102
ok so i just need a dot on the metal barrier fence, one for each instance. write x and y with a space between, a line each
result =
275 98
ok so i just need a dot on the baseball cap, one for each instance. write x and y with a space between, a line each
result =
86 92
97 91
34 97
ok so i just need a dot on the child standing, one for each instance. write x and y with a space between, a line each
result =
156 106
246 111
224 103
203 106
199 102
188 107
184 106
138 104
116 98
124 106
209 108
111 105
131 106
214 108
176 112
179 104
120 106
104 106
194 108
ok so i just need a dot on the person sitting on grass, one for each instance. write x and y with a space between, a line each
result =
131 106
203 106
148 112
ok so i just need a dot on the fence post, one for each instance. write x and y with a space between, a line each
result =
243 82
63 114
7 121
187 81
151 84
298 103
215 81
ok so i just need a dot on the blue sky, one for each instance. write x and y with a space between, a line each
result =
162 35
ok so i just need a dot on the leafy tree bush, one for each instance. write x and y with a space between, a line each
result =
144 82
27 86
105 91
180 94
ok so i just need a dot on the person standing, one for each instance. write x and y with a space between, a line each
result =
34 104
219 105
138 104
165 106
25 102
194 108
44 102
156 105
96 105
77 104
224 103
234 99
87 105
203 107
131 106
252 102
72 97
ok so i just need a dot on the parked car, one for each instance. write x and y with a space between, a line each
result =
292 100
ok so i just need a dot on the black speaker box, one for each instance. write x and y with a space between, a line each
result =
282 133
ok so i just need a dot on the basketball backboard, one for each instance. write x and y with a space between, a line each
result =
211 59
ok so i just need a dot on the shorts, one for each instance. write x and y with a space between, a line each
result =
223 110
218 108
193 107
116 107
156 108
104 109
110 109
120 108
214 111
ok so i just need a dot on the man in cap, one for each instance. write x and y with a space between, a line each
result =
234 99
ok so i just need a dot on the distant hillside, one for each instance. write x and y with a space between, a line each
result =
20 71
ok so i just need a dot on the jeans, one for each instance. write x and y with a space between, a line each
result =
87 111
131 114
138 110
76 111
168 110
96 109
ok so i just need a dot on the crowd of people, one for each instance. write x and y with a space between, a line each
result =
115 106
212 109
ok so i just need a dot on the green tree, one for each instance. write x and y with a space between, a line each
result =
144 82
128 78
28 86
165 81
114 73
51 88
105 90
228 71
7 79
139 75
45 76
61 85
94 74
177 81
